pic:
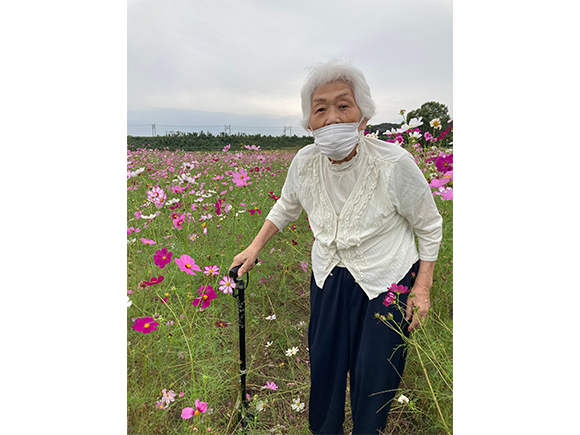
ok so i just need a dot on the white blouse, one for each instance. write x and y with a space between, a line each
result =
362 212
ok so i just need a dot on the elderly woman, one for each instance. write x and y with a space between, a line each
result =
365 200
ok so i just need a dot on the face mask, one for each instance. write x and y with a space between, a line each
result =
336 141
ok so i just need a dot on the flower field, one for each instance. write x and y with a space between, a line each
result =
188 215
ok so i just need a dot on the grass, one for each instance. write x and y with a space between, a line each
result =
196 352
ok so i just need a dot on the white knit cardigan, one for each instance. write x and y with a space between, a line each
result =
362 213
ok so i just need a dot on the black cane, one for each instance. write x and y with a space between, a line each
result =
239 292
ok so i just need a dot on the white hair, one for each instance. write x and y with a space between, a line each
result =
336 71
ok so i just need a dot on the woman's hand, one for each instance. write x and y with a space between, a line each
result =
418 302
247 258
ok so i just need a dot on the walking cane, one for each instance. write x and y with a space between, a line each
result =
239 292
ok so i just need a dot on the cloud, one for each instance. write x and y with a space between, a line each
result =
251 57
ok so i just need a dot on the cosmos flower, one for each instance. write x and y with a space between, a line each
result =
270 386
227 284
435 123
241 178
389 299
206 295
292 351
187 264
168 396
153 281
145 325
162 258
297 405
403 399
211 270
200 408
395 288
147 241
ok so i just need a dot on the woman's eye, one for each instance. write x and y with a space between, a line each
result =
320 109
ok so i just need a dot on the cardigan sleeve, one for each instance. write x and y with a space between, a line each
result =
287 208
410 194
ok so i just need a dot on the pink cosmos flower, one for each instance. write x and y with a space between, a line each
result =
395 288
437 182
145 325
389 299
227 284
270 386
168 396
162 258
157 196
147 241
211 270
255 210
187 264
206 294
447 194
241 178
178 221
200 408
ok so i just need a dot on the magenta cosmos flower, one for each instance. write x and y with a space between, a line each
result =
389 299
147 241
395 288
206 294
162 258
153 281
187 264
444 163
145 325
200 408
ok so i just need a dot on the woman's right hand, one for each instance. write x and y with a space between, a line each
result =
247 258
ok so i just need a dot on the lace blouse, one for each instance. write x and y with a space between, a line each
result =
362 213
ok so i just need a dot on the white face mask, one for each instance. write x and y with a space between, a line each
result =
336 141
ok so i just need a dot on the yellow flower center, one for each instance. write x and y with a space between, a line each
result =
166 294
197 412
146 325
164 258
204 297
188 266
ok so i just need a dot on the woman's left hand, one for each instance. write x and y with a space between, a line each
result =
418 302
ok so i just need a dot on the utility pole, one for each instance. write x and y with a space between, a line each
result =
228 127
153 132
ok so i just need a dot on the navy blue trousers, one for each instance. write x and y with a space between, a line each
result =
344 336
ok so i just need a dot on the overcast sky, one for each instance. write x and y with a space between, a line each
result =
243 62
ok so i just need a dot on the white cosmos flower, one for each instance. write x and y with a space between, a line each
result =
435 123
297 405
292 351
129 302
261 405
403 399
272 317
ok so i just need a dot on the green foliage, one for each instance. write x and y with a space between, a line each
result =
208 142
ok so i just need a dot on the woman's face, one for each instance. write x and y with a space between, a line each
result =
334 103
